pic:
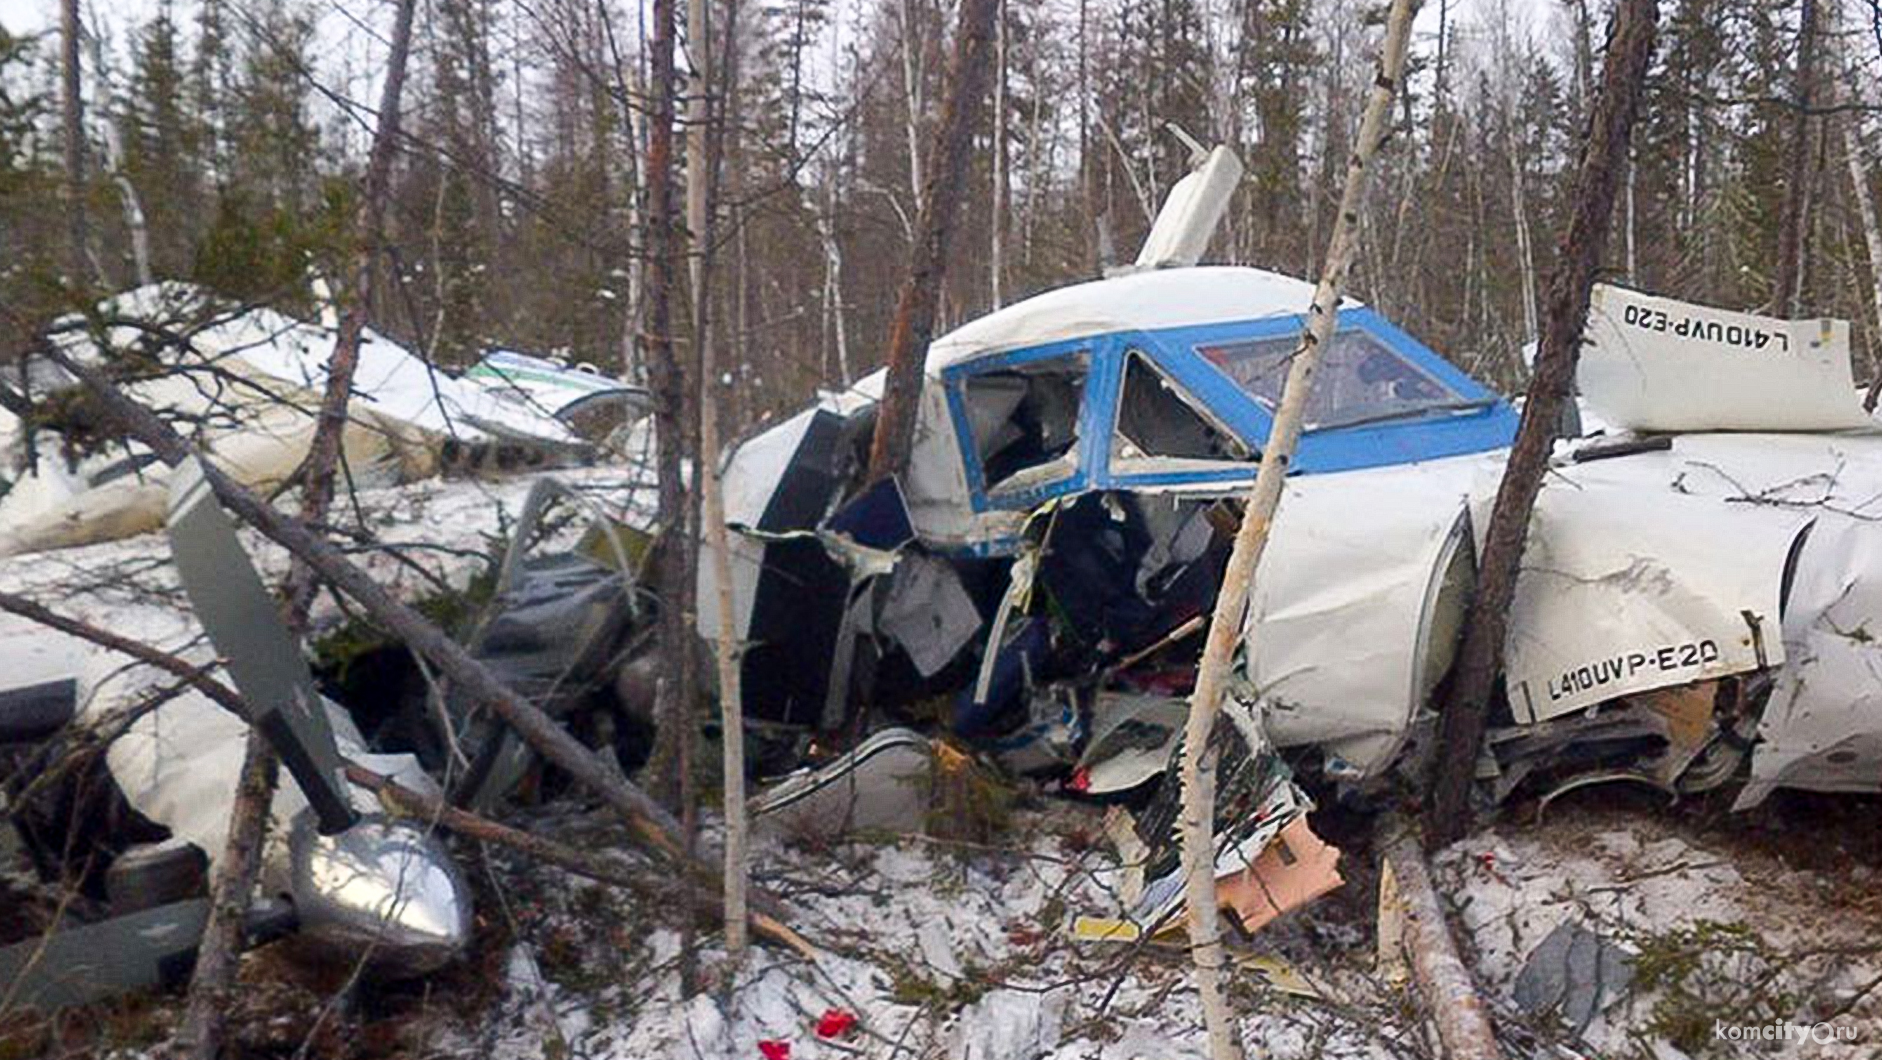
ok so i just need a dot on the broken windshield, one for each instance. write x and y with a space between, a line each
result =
1360 380
1024 420
1156 418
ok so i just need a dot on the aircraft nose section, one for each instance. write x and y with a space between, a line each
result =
383 889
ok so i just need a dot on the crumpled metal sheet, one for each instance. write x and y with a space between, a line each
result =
1623 592
1822 727
1344 596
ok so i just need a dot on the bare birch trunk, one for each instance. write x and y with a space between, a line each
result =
134 219
996 224
711 497
921 287
1630 45
1251 539
833 283
1524 245
911 97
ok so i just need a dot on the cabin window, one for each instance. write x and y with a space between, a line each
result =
1156 418
1024 419
1361 379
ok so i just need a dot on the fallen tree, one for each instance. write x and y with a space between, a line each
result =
1457 1010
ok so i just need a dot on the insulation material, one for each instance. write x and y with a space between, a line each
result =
1822 727
1339 661
1618 596
1655 364
1294 869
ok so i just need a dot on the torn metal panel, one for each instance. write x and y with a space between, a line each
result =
1574 974
789 596
1133 738
79 965
1618 594
550 631
1822 727
1656 364
559 389
1191 211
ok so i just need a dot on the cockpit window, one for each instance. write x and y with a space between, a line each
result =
1156 419
1024 420
1361 379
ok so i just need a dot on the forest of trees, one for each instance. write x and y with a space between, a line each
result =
235 137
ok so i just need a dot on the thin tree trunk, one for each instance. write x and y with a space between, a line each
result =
1633 250
1251 540
73 123
1630 45
668 378
913 325
323 451
833 283
134 219
1525 252
712 499
911 98
199 1035
996 222
1786 285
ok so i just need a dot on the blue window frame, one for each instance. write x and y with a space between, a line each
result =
1429 410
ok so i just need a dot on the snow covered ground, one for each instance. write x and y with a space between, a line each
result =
962 953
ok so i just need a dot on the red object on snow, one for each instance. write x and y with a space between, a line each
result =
774 1049
835 1023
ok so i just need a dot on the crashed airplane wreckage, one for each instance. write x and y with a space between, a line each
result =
251 379
1697 608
